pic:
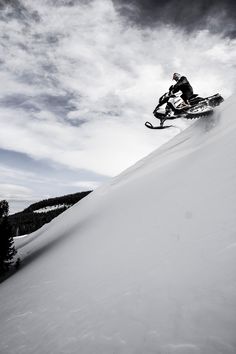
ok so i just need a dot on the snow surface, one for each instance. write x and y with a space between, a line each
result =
145 264
50 208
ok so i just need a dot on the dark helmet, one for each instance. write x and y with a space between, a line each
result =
176 76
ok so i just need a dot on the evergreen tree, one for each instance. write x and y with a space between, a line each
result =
7 249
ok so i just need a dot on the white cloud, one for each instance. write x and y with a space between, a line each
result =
113 75
16 192
87 185
226 53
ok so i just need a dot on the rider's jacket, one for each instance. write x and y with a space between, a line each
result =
183 85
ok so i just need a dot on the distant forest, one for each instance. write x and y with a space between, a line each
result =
30 220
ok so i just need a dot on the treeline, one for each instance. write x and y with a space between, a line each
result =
69 199
7 248
29 220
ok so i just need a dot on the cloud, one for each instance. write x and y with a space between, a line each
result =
214 15
20 189
80 81
12 191
86 185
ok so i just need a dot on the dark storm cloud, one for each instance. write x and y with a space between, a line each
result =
215 15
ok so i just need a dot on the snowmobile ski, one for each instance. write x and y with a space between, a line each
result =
150 126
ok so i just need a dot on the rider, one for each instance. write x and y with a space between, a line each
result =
183 85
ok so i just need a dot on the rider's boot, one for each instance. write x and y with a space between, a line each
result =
162 121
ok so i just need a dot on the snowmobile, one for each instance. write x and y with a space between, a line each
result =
176 107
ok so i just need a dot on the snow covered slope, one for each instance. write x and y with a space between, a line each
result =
145 264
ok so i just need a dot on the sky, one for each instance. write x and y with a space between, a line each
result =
80 78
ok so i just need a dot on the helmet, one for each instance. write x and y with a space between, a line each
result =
176 76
